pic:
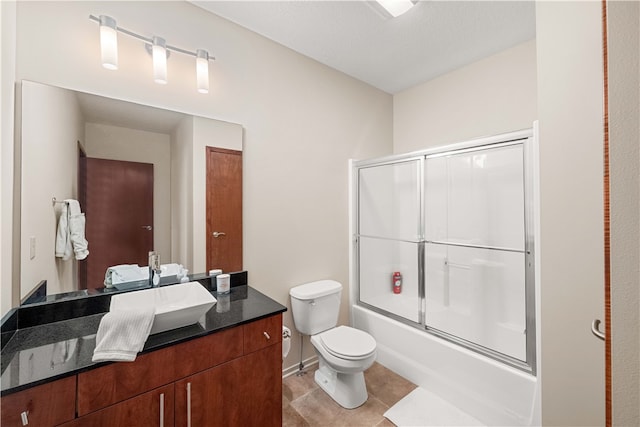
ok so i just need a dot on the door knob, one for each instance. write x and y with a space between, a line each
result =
147 227
218 234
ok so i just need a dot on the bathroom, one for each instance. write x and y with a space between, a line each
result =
297 230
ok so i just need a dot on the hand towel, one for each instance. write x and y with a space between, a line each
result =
125 273
70 233
76 229
122 334
63 239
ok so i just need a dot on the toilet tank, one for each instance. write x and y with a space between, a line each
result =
315 306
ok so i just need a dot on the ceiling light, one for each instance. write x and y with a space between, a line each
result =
396 7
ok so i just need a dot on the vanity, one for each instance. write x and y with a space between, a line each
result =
224 370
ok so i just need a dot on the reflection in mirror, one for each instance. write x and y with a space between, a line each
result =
139 174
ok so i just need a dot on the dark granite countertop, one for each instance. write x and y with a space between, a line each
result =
38 354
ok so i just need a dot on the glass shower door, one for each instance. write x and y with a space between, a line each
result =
388 236
475 248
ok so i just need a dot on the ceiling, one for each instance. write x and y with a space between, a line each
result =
392 54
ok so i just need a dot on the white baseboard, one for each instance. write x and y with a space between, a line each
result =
307 363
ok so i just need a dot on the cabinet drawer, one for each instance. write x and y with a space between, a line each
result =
203 353
262 333
118 381
45 405
154 408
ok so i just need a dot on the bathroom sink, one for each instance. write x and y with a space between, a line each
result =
175 305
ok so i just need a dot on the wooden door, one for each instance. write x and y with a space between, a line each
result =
119 216
224 209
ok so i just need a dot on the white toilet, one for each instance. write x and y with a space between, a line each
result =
343 352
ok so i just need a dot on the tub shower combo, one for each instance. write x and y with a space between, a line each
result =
457 224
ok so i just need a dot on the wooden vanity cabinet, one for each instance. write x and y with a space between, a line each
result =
229 378
44 405
246 391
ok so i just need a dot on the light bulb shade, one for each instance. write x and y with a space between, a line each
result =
202 70
108 42
396 7
159 53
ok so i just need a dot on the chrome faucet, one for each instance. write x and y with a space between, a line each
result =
154 268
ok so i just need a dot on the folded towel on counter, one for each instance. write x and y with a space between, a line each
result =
125 273
122 334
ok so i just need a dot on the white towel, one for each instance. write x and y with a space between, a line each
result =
122 334
76 230
63 239
125 273
70 232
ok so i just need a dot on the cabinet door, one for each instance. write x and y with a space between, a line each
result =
212 398
154 408
45 405
262 387
244 392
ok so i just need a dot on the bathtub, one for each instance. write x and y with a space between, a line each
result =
493 393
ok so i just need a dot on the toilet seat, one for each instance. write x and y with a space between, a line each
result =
348 343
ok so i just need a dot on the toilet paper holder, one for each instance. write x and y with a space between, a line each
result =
286 332
286 341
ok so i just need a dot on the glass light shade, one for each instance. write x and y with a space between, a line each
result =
108 42
159 52
202 70
396 7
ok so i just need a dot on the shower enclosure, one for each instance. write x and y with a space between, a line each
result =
456 223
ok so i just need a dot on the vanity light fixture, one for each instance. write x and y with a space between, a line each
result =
396 7
156 45
108 42
159 54
202 70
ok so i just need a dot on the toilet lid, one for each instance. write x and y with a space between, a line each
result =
348 343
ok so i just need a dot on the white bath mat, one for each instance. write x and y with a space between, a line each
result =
423 408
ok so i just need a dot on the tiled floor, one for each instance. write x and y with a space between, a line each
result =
305 404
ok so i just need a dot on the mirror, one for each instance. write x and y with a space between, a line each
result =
63 132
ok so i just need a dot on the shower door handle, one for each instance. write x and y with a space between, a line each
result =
595 329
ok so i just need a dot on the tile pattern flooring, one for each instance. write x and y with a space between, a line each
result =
304 404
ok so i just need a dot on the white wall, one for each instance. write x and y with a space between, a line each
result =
570 86
50 150
624 137
488 97
118 143
302 121
182 191
9 295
